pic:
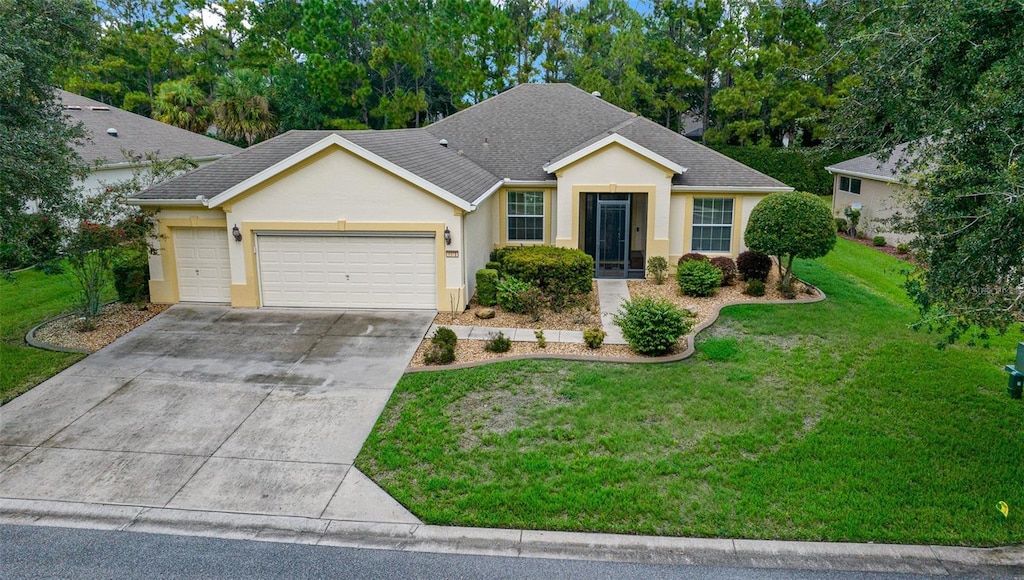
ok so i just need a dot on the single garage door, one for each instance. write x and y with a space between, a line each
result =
348 271
204 268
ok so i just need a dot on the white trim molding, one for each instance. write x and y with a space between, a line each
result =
727 189
836 171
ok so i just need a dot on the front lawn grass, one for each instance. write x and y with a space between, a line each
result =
30 298
829 421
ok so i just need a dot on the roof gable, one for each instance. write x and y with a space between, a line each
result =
329 141
610 140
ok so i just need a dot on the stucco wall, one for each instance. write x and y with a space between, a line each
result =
480 233
879 200
614 169
338 190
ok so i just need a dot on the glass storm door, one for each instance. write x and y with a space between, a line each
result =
612 238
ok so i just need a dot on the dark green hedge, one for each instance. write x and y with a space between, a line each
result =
798 167
553 270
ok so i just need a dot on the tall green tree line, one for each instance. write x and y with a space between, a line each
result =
749 71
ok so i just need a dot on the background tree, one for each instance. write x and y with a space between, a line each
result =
182 104
241 107
38 163
104 230
947 76
791 225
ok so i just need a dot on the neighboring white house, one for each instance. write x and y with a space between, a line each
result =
111 131
404 218
873 186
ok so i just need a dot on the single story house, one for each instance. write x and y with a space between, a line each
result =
873 186
404 218
111 131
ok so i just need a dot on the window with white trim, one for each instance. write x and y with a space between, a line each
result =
849 185
712 224
525 216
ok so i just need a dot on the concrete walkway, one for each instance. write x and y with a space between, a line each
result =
611 295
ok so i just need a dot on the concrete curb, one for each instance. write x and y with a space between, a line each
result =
675 357
31 339
886 558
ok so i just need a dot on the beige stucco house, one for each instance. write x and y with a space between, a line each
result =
873 186
404 218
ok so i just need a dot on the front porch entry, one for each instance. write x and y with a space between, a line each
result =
614 227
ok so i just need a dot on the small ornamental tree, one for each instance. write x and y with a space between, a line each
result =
106 228
791 225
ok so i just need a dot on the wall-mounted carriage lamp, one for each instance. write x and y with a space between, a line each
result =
235 233
447 236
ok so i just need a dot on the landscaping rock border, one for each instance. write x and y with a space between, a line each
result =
674 357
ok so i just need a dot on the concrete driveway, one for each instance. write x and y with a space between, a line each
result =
209 408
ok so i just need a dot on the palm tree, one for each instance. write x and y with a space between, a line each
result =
182 104
242 109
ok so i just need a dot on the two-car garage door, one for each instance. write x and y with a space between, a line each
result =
347 271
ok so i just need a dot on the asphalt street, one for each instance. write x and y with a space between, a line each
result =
49 552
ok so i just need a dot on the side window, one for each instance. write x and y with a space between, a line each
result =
525 216
712 224
849 185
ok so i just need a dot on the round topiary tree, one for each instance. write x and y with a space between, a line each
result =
791 225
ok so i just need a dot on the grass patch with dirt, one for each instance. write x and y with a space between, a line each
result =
829 421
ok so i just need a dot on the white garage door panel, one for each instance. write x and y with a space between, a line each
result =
347 271
203 264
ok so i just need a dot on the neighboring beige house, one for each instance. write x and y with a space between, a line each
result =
873 186
112 130
404 218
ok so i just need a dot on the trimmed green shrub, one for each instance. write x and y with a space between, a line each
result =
487 287
801 167
878 241
652 326
903 248
791 225
698 278
691 257
562 271
498 343
594 337
754 266
841 224
657 268
439 354
509 289
131 277
445 337
496 266
727 267
755 287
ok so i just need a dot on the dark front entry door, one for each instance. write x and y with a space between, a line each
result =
612 238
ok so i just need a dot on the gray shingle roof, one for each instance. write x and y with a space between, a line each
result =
134 133
510 136
412 149
887 169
